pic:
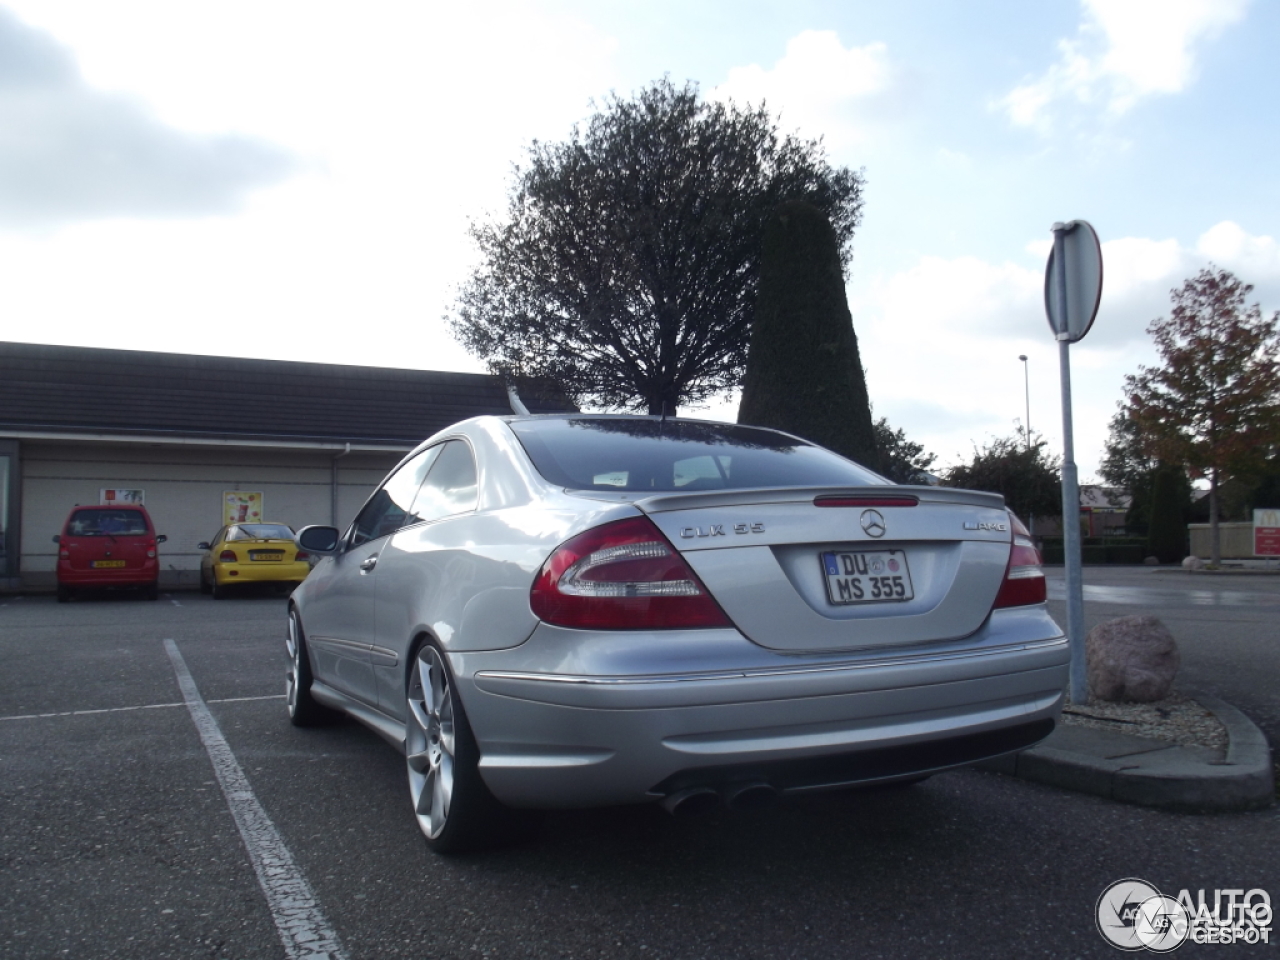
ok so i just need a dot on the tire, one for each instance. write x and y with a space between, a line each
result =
453 806
151 592
304 710
218 590
204 584
64 593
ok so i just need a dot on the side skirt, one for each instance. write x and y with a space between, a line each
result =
388 728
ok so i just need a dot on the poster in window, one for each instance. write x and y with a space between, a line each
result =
241 506
115 497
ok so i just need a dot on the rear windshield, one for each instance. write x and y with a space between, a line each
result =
622 454
260 531
106 523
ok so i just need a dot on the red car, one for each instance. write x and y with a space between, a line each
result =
109 546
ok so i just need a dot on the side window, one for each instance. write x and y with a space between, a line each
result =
217 536
386 511
451 485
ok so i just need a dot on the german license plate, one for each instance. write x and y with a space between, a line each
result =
867 576
100 564
265 555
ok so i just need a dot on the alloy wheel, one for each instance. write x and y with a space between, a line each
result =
295 667
431 744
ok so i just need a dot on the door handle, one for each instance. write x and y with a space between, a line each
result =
368 564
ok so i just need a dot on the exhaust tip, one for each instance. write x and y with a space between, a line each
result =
750 796
692 802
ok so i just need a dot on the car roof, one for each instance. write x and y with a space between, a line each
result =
109 506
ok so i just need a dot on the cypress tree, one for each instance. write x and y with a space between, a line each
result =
804 374
1167 529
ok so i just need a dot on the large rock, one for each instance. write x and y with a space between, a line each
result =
1133 658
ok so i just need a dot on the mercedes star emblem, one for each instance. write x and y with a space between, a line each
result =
872 523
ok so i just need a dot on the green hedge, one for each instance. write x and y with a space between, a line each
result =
1098 550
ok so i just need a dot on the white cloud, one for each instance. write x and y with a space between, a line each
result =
940 341
410 116
69 152
954 160
819 87
1125 51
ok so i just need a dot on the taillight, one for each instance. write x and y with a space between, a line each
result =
227 556
622 576
302 555
1023 578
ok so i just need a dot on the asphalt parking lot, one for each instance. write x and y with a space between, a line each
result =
120 841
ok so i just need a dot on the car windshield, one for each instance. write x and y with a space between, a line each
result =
260 531
651 455
106 523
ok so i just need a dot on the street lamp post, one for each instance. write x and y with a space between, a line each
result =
1026 385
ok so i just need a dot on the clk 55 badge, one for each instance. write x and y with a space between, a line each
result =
717 530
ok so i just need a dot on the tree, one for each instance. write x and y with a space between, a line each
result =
1025 475
1127 466
804 374
1170 498
1211 406
627 266
901 460
1266 494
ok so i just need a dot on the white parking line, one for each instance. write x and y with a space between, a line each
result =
145 706
170 598
301 923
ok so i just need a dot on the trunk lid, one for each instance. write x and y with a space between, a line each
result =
823 569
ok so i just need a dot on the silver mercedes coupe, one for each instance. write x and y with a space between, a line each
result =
581 610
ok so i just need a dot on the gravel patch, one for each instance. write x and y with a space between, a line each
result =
1177 718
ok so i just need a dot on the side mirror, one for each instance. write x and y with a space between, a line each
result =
325 541
161 538
57 539
202 546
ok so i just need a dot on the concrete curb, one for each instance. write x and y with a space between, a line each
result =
1155 773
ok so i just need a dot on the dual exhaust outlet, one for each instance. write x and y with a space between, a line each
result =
693 801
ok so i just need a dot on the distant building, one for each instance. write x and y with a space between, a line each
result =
194 437
1102 512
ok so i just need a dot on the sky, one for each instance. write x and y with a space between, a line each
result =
295 180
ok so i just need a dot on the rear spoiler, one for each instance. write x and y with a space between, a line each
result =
664 502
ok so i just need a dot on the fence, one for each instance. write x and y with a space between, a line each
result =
1236 540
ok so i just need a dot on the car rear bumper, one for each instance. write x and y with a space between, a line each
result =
135 577
577 738
232 573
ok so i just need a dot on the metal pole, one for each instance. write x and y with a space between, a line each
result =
1026 384
1070 492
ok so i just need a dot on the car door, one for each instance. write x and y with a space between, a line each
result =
341 613
415 567
207 558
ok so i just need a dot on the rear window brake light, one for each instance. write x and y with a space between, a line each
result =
881 501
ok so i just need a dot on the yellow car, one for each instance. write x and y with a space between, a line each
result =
251 553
